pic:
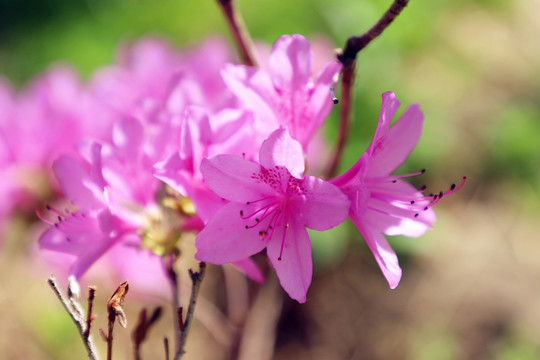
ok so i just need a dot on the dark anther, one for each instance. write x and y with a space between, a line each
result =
335 101
435 197
48 207
257 220
416 215
394 181
241 212
279 212
59 218
55 224
286 226
426 208
412 202
247 203
279 258
423 171
424 187
440 194
270 227
247 227
453 187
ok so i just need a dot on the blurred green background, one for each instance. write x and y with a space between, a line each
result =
471 286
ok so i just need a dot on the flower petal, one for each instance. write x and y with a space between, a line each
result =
254 88
384 255
250 269
324 207
230 177
280 149
398 143
290 62
76 183
225 238
397 216
295 269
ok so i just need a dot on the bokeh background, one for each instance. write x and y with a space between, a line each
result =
471 286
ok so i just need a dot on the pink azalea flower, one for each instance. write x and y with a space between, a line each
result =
271 205
151 73
385 204
286 95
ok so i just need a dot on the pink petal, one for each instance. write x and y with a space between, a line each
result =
290 62
383 253
280 149
325 206
398 143
76 183
128 136
295 268
225 238
388 108
250 269
397 217
254 88
320 101
230 177
173 172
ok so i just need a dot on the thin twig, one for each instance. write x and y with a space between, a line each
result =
196 279
142 328
115 310
344 116
77 318
348 58
90 316
238 30
166 345
173 280
356 43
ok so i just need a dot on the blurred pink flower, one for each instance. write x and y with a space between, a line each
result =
286 95
271 205
385 204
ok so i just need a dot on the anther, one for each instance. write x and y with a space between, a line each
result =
416 215
48 207
247 227
412 202
426 208
247 203
453 187
422 171
241 212
257 220
394 181
424 187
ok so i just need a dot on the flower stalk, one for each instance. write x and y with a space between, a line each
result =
238 31
196 279
73 308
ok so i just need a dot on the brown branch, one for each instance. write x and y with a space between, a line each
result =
196 279
344 116
356 43
166 345
239 32
348 58
73 308
115 310
142 328
173 280
90 316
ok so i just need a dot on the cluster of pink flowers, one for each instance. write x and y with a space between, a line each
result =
167 142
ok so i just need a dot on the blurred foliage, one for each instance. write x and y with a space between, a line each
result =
472 65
